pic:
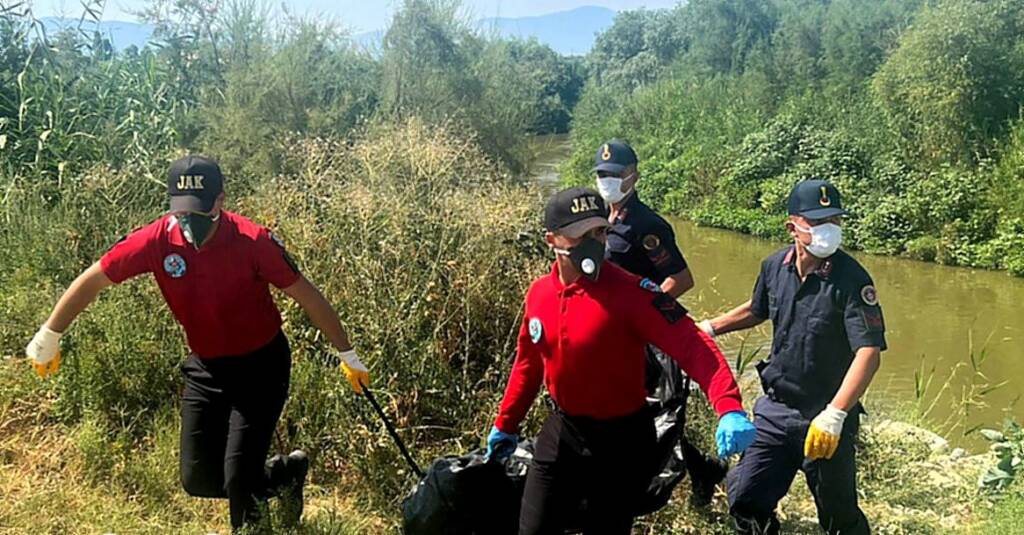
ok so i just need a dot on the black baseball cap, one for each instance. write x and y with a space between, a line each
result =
194 182
574 212
614 157
815 199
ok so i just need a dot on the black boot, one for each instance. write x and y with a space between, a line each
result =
705 474
296 466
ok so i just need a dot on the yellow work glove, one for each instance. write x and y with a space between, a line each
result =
355 370
44 351
823 435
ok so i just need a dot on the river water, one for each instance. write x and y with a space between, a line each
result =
936 318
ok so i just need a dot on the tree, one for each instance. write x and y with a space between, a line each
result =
956 78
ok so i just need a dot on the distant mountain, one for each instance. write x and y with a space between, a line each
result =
121 34
567 32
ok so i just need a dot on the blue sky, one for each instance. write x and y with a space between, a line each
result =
365 15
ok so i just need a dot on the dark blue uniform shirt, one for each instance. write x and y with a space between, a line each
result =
819 324
642 242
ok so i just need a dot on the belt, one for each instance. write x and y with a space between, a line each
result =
795 400
582 428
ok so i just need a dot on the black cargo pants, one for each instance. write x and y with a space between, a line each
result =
229 410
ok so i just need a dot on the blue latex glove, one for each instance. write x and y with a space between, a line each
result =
735 433
501 444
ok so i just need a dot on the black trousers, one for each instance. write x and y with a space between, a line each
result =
229 411
768 466
607 463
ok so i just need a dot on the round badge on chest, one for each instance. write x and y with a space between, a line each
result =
175 266
536 330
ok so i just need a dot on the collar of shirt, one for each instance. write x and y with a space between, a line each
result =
579 286
631 200
175 236
824 270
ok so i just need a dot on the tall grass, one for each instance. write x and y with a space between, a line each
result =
964 388
410 230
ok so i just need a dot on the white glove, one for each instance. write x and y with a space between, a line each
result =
823 434
355 371
44 351
707 328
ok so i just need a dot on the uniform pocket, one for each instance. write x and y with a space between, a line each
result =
819 327
820 363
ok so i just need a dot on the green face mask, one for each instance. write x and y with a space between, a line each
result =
196 227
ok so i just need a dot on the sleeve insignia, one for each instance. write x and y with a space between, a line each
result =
650 286
869 295
670 309
276 239
651 242
284 252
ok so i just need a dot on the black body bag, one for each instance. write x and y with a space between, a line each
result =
468 495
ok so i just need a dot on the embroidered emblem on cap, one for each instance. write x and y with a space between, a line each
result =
584 203
651 242
191 182
175 266
869 295
824 200
536 330
606 154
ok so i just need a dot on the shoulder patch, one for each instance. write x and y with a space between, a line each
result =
276 239
869 295
670 309
649 285
287 257
651 242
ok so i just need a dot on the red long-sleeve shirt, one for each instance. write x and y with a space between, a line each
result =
587 342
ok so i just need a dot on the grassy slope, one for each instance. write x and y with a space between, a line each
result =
53 480
51 483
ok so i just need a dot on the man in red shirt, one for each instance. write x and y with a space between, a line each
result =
585 331
214 269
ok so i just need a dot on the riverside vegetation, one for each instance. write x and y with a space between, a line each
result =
911 107
392 177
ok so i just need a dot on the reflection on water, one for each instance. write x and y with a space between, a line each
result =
549 151
933 316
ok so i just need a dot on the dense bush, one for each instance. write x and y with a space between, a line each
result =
411 232
400 207
232 79
955 79
910 108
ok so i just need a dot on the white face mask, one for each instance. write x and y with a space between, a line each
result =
610 188
825 239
